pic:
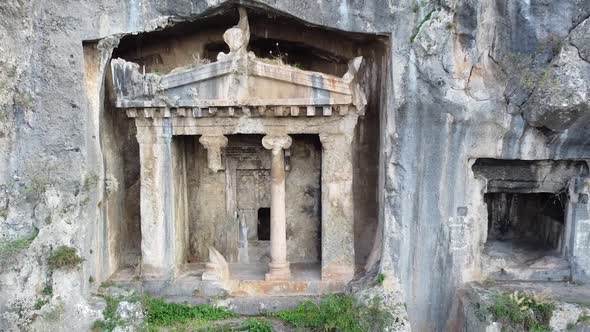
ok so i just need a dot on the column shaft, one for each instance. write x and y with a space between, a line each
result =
278 228
279 266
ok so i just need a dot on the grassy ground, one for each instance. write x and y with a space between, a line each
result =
335 312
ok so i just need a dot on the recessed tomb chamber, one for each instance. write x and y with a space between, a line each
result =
256 151
529 217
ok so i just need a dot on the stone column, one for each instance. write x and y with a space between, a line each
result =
214 144
279 266
337 208
158 243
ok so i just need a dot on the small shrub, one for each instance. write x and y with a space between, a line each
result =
523 312
40 303
198 61
36 187
47 291
65 258
380 278
584 319
257 325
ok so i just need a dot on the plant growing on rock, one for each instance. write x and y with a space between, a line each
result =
65 258
257 325
10 249
36 187
521 312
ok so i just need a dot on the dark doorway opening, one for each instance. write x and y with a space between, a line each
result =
535 221
264 224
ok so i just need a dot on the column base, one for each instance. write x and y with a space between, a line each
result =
337 272
149 272
278 271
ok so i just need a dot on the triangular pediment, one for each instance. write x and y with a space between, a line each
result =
236 79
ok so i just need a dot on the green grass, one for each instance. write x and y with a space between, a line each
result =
257 325
65 258
334 313
337 312
523 312
161 313
10 249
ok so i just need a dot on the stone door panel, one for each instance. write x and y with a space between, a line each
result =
253 192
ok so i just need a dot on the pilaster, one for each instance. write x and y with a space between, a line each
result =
578 226
158 243
337 208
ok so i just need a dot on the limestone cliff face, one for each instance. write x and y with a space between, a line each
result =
467 79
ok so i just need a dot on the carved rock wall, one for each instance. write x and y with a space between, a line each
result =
463 80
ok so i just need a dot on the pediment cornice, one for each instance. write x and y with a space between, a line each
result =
236 80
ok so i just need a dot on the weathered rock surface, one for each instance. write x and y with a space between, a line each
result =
569 313
561 103
451 96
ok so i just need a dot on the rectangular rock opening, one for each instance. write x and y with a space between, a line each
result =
528 217
532 223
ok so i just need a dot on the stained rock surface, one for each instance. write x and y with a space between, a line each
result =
466 79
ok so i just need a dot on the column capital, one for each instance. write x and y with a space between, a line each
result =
330 141
276 142
213 141
150 134
214 144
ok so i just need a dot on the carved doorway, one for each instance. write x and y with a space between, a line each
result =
248 191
